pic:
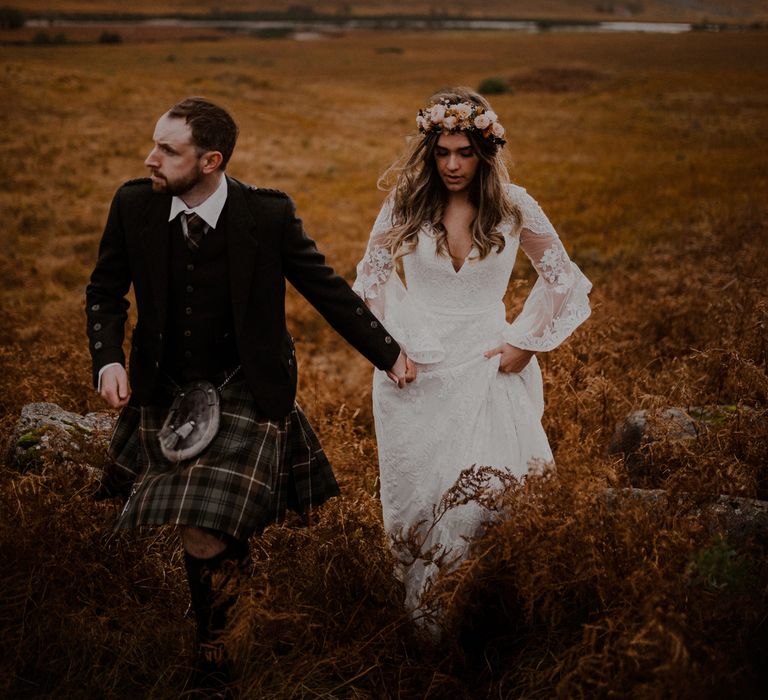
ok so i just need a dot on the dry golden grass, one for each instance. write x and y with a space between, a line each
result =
653 171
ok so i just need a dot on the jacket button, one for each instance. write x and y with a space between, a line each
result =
359 311
374 324
188 311
95 307
97 345
190 267
387 340
290 362
157 364
97 326
159 336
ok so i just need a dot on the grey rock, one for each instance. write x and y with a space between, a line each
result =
739 518
46 429
640 429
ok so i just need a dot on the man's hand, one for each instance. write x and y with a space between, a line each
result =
403 371
512 359
114 386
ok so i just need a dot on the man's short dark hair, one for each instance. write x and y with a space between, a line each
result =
213 128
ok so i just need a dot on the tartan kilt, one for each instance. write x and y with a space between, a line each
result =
253 470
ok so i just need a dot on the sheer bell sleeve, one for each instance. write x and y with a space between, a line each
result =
377 264
380 286
558 302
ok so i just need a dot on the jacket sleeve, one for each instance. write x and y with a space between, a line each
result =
306 269
105 296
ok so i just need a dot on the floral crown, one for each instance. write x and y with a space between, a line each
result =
446 117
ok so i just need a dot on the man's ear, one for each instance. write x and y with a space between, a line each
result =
212 161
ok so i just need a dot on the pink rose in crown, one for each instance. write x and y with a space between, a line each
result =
437 113
450 123
463 110
491 115
482 121
497 130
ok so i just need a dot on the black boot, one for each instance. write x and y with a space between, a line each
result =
211 675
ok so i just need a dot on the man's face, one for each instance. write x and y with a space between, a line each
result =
174 161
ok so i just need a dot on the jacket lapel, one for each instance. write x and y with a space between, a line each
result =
242 246
155 238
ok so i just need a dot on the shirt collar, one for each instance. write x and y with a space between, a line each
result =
209 211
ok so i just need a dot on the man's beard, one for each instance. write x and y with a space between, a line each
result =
177 187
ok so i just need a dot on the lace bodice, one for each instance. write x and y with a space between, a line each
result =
556 305
432 279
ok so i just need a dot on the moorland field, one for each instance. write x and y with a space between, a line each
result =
648 153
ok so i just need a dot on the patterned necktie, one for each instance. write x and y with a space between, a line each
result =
194 230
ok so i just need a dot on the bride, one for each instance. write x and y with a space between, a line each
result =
453 223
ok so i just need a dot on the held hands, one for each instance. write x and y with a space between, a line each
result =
512 359
403 371
114 386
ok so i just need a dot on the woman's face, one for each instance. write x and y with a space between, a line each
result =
456 161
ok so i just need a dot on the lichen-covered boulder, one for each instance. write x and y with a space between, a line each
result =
46 429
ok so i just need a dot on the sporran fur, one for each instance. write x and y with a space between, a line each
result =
192 421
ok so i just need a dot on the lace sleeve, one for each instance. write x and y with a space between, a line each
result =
377 264
385 294
558 302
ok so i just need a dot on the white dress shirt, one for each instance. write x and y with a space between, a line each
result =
209 210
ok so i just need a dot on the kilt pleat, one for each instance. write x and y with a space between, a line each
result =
250 474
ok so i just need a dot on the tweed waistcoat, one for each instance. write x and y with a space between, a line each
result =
200 333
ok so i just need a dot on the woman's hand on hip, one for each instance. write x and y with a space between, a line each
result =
512 359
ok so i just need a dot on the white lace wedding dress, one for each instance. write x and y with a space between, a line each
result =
461 411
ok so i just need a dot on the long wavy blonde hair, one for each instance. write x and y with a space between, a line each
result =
419 196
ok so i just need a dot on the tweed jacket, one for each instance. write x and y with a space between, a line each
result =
266 244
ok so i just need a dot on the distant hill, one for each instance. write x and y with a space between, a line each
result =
662 10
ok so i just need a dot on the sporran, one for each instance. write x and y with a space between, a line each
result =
192 421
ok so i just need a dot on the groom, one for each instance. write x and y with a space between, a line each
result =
208 257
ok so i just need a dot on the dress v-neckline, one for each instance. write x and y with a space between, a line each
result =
461 267
433 236
463 261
